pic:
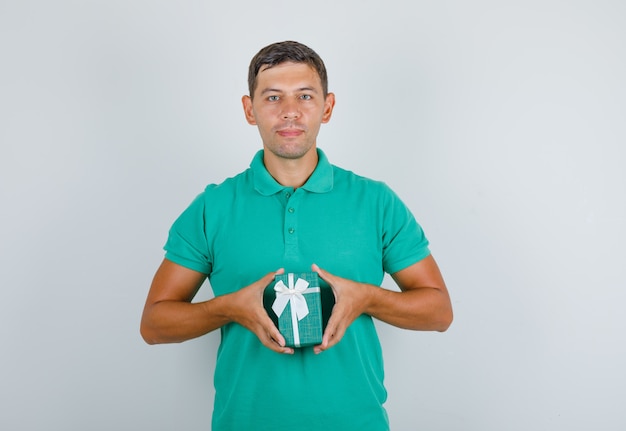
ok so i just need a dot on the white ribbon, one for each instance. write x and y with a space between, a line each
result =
292 295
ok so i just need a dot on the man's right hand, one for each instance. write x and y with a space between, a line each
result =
169 315
245 307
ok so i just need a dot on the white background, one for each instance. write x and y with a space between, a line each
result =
500 124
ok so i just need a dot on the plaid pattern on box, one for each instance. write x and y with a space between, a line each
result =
298 331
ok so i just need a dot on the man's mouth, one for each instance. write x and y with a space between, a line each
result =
290 132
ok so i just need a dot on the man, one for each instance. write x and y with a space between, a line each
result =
293 211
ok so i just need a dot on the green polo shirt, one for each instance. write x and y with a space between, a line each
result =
249 225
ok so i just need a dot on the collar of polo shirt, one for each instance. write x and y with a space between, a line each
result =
320 181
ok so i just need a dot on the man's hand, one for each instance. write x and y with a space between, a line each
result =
351 300
423 303
170 317
245 307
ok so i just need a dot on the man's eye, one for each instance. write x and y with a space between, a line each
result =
305 97
273 98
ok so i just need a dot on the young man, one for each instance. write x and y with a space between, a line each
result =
293 211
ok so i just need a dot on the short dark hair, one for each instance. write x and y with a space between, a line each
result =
281 52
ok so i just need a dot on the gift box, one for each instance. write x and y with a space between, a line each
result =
294 302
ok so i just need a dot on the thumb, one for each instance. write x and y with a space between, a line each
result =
324 274
269 277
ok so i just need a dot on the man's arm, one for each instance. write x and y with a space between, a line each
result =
422 304
169 316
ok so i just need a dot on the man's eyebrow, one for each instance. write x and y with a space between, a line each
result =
277 90
271 90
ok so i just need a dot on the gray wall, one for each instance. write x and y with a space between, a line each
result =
501 125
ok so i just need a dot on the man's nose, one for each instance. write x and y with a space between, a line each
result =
290 110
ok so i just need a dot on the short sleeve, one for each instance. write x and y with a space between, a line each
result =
404 241
187 241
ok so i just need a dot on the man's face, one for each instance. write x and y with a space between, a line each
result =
288 108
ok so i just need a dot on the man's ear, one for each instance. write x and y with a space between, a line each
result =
329 104
247 110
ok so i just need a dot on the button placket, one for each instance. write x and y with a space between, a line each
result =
291 222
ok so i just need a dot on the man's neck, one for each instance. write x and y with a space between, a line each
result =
291 172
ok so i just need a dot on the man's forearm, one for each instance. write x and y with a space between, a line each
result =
177 321
422 304
424 308
170 317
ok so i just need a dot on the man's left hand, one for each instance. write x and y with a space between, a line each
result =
351 300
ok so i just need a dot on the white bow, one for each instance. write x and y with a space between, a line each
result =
292 294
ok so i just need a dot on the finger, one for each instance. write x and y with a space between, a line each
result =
275 335
325 275
271 344
336 333
265 326
268 278
325 338
273 338
332 335
330 339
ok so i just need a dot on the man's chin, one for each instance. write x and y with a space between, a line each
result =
290 153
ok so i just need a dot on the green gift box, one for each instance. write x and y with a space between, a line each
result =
294 302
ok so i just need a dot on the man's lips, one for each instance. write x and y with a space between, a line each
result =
289 132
